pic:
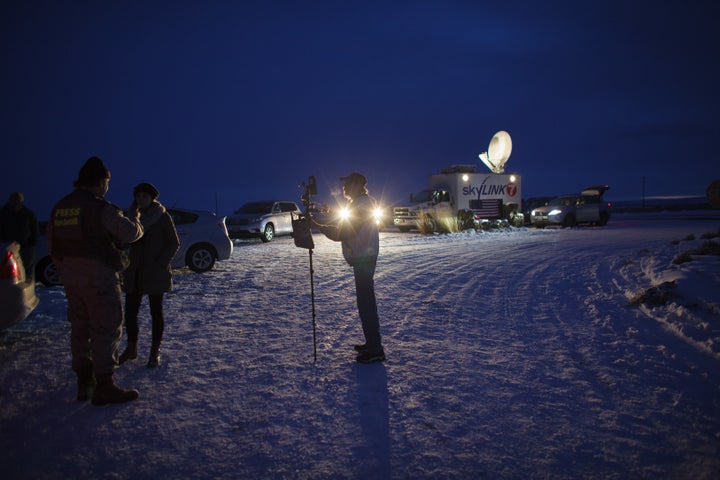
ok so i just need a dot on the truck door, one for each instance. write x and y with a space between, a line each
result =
442 204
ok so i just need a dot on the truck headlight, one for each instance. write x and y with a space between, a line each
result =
377 215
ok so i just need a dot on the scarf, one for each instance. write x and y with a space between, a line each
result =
150 215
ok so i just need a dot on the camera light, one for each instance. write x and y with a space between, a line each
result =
344 213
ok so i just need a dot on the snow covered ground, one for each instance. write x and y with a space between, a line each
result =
511 354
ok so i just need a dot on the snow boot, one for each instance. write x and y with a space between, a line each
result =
360 347
368 356
86 385
154 359
130 353
107 392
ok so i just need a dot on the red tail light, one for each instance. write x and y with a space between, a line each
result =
8 268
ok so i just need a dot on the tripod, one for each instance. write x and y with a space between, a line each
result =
312 299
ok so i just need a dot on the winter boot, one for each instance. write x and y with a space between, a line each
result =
86 385
107 392
130 353
154 359
368 356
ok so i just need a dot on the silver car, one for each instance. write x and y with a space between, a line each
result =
203 241
264 220
17 295
570 210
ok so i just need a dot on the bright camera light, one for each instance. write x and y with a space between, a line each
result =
512 178
344 213
465 177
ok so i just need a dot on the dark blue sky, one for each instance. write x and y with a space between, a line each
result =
223 102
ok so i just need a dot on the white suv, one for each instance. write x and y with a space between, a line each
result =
265 220
203 240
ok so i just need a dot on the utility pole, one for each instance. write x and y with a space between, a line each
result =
643 191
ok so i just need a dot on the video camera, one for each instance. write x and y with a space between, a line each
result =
302 234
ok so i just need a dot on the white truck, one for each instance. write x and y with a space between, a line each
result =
459 198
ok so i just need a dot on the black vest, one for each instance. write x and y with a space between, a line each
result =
78 231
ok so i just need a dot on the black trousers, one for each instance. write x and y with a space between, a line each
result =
132 308
367 306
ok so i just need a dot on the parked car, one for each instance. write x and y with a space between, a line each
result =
531 204
203 241
17 294
570 210
264 220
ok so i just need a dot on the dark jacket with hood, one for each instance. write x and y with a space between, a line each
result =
150 257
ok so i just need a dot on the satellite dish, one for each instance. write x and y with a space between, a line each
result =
498 152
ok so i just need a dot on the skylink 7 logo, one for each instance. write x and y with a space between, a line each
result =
487 190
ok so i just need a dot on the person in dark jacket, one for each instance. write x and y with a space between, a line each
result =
359 236
149 272
19 224
86 236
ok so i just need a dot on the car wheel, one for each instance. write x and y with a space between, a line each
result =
603 219
47 273
200 258
569 221
269 233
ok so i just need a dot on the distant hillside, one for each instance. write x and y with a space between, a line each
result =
657 204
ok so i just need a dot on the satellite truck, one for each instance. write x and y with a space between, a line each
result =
459 197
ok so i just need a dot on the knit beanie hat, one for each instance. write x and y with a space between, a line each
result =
148 188
92 172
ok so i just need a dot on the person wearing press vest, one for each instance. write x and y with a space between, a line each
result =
358 234
86 236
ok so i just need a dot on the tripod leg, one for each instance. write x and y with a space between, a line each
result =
312 297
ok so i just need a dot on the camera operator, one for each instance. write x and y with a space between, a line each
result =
358 234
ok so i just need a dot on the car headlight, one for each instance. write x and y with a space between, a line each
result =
555 211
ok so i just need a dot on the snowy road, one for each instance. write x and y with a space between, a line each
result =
511 354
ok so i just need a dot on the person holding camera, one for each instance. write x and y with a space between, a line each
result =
358 234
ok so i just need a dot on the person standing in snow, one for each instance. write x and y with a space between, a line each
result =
149 272
19 224
359 236
85 236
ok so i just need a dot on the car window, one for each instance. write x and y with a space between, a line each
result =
562 201
287 206
182 218
255 207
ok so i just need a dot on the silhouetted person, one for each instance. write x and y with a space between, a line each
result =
86 235
19 224
149 272
359 236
